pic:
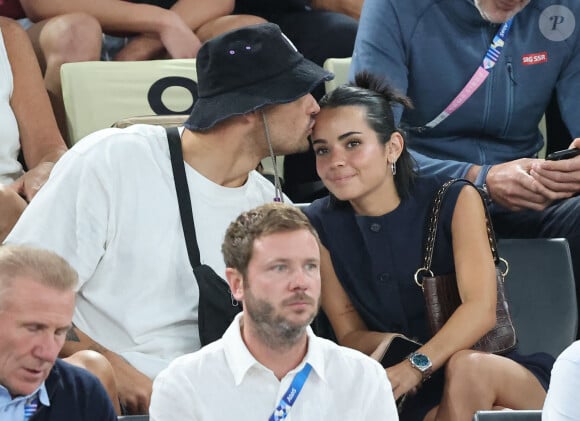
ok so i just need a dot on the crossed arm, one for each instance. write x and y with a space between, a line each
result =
171 30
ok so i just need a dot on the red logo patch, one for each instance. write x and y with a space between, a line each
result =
535 58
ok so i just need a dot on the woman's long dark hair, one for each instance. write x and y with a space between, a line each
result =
378 98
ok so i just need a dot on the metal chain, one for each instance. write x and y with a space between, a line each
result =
432 230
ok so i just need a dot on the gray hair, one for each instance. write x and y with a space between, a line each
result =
42 266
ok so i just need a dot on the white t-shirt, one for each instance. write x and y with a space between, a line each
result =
224 381
10 168
563 400
110 209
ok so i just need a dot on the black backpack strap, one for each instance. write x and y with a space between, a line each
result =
183 198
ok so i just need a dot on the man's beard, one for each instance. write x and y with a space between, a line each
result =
275 330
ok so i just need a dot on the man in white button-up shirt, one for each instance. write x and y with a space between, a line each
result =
562 400
269 364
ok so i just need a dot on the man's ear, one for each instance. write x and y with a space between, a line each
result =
236 282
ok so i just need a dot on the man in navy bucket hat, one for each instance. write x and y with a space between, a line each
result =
110 207
245 70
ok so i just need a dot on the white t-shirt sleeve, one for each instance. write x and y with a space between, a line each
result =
69 215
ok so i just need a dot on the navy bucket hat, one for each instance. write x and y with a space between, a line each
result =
246 69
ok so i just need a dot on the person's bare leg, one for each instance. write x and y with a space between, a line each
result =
479 381
63 39
226 23
99 366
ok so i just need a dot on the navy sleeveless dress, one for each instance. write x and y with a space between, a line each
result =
375 259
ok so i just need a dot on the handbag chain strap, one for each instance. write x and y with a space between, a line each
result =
432 231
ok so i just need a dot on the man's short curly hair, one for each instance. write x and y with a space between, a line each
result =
264 220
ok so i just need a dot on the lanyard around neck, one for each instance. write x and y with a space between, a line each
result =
489 61
283 408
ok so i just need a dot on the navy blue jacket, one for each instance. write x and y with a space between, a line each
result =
429 49
75 394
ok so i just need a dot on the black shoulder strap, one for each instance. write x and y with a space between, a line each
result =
183 198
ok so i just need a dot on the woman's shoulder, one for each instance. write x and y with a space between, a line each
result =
428 184
318 205
327 206
427 190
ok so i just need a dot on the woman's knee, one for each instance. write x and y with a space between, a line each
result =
466 370
71 38
96 364
101 368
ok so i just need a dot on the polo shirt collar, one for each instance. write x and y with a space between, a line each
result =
41 392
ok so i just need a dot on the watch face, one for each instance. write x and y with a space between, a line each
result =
421 361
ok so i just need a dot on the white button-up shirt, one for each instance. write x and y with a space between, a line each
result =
224 381
562 402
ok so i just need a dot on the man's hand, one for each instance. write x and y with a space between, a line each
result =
512 186
562 176
134 388
31 181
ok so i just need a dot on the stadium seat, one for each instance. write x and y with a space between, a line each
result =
541 292
340 67
98 94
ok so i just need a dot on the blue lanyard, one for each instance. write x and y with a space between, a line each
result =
489 61
281 411
496 46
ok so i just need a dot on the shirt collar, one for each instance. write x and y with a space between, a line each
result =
240 360
43 395
41 392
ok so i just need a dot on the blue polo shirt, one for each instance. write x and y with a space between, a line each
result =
14 409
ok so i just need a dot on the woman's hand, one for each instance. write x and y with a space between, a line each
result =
404 378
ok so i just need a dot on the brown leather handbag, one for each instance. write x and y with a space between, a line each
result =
441 293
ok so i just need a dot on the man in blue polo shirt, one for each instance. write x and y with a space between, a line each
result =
37 297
